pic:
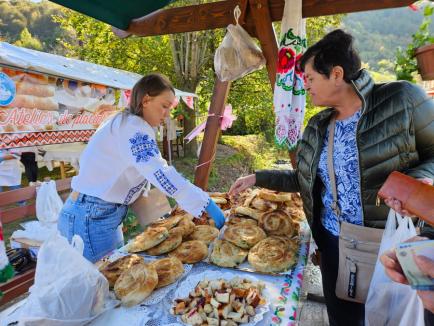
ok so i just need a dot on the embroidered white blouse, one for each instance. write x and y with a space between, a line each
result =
122 158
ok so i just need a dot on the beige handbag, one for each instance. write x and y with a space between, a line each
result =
358 245
150 208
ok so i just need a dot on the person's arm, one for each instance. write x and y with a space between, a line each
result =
139 149
270 179
280 180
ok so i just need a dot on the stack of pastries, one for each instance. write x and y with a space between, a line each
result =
262 228
177 236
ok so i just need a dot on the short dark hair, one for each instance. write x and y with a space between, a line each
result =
334 49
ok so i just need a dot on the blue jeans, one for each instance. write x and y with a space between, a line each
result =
95 221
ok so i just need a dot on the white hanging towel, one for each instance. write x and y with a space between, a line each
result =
289 92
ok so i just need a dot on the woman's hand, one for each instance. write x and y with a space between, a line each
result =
391 264
242 184
396 205
392 267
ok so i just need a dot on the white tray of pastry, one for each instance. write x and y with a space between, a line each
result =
212 297
169 273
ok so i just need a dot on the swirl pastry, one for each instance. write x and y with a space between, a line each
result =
205 233
135 284
148 239
226 254
190 252
241 220
243 235
114 269
168 270
271 255
173 240
276 222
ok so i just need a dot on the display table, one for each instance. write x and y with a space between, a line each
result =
284 293
69 153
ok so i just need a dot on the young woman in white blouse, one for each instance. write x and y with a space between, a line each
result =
121 160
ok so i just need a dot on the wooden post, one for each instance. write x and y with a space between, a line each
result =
62 170
212 129
264 30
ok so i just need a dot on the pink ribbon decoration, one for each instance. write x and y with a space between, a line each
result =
226 122
188 100
175 102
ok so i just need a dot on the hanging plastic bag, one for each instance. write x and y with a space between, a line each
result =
390 303
68 289
238 54
48 203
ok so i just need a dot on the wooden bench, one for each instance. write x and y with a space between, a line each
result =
10 212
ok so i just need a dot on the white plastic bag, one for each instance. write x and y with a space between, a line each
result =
48 203
390 303
238 54
68 289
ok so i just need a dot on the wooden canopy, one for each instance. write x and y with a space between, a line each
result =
257 17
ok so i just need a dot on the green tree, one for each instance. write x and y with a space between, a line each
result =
26 40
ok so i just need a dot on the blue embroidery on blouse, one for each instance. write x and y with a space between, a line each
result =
133 191
346 167
165 182
143 147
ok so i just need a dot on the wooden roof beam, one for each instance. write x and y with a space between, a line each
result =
220 14
267 37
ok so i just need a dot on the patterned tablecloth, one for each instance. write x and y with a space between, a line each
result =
284 292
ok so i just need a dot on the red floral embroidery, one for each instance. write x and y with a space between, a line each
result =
286 60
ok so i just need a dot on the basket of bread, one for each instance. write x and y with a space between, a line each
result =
215 298
261 233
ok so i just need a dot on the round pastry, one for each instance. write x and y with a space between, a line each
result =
169 222
190 252
168 269
226 254
241 220
148 239
271 255
274 196
276 222
135 284
114 269
244 235
187 226
205 233
173 241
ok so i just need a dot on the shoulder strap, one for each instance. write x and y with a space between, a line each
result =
330 166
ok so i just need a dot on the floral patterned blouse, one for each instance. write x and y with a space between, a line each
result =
346 165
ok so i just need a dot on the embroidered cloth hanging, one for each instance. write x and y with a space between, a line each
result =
289 92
